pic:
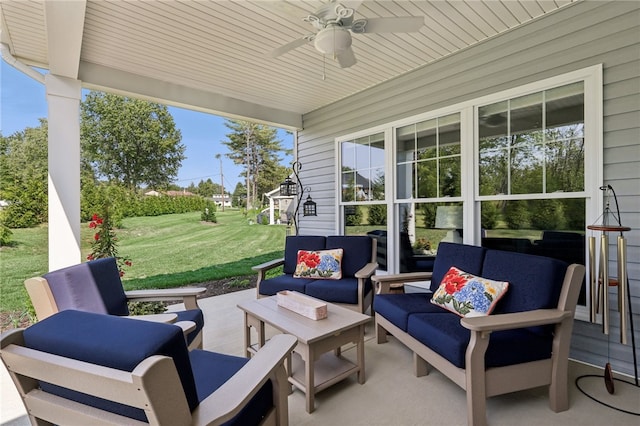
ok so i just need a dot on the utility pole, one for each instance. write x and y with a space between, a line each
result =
219 157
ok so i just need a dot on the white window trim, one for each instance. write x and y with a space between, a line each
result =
594 166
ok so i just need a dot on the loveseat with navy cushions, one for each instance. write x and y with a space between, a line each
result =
495 321
335 269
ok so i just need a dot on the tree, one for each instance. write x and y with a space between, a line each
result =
256 147
239 195
130 141
23 181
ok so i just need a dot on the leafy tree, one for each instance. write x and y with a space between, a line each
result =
238 197
130 141
23 181
378 214
256 147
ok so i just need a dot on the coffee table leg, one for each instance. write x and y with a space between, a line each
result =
360 350
309 380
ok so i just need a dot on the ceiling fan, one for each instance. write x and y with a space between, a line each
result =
335 23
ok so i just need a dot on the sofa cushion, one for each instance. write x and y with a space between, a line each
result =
319 264
358 250
466 257
535 281
468 295
295 243
337 291
397 307
271 286
111 341
445 336
93 286
211 370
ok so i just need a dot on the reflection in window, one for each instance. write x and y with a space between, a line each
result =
533 144
363 168
428 159
423 226
546 227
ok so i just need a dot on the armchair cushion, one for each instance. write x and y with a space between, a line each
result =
443 334
468 295
320 264
193 315
295 243
209 379
72 334
89 287
271 286
342 291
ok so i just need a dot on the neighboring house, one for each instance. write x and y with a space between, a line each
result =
152 193
183 193
220 200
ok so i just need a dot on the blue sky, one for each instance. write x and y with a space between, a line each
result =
23 102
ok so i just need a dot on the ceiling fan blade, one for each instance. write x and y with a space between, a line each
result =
346 58
289 46
351 4
401 24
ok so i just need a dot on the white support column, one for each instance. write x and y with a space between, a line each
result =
63 99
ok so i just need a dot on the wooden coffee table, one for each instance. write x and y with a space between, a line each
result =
317 358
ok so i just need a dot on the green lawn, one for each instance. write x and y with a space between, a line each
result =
166 251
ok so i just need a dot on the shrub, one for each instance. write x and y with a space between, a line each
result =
105 242
209 212
5 235
546 214
378 214
489 214
516 214
353 215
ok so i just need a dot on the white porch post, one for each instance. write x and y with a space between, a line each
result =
63 99
272 219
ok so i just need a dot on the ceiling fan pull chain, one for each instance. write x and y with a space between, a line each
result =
324 68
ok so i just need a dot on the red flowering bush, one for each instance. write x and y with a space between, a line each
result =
104 242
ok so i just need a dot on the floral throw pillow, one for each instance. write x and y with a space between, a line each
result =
320 264
467 295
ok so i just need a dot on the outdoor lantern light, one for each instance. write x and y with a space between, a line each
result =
309 207
292 187
288 187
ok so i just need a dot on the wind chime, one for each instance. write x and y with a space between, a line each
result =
599 281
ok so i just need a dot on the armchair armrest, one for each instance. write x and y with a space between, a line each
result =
515 320
263 267
367 270
383 283
187 294
231 397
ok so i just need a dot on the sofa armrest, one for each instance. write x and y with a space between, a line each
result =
187 294
383 283
367 270
232 396
514 320
263 267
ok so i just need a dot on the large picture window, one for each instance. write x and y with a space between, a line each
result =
516 170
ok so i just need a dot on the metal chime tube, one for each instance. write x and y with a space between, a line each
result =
622 287
604 282
593 280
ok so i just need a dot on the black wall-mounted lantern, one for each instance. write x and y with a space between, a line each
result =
289 187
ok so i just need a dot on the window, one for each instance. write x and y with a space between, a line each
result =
533 144
428 159
516 170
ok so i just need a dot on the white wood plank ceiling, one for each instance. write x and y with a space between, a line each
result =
222 48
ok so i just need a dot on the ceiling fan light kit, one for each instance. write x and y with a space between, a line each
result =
335 24
333 40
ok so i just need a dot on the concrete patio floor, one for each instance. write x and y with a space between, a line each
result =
392 395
